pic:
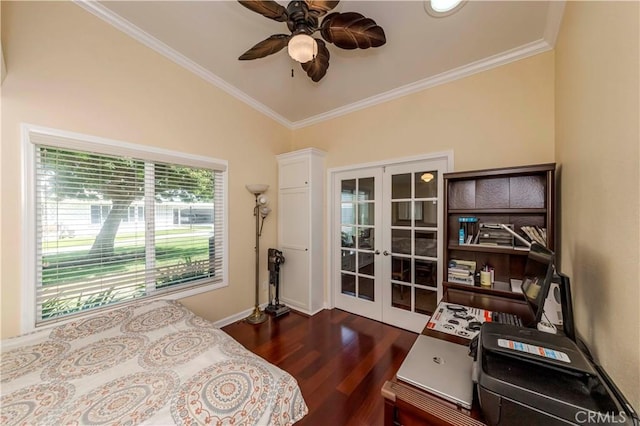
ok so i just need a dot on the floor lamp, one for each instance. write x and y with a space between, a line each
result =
260 211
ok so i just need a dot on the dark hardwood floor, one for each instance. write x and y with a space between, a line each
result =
340 361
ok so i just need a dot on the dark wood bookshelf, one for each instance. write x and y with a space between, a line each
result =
520 196
483 248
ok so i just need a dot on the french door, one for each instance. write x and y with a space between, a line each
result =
358 260
387 241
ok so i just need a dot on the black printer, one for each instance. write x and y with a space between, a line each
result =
528 377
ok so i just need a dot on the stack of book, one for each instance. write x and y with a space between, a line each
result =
461 271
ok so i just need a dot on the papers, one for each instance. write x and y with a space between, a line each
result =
515 286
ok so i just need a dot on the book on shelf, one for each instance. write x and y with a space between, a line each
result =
468 229
536 234
469 265
459 272
460 280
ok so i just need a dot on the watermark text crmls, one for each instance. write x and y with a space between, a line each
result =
597 417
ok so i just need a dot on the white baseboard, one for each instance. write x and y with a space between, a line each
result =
236 317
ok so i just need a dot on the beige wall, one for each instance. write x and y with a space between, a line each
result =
597 143
69 70
501 117
498 118
1 150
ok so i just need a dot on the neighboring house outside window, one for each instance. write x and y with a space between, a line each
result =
105 225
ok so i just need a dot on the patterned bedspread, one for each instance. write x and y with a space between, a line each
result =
154 363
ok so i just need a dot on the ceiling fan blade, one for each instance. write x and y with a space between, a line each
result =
266 47
321 7
267 8
352 30
317 68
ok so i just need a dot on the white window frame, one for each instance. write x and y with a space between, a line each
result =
83 142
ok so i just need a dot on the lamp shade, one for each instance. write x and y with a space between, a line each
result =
264 211
257 188
303 48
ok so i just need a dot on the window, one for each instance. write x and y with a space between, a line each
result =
103 215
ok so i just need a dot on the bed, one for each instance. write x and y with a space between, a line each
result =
154 363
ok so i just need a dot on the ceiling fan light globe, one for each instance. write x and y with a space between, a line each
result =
302 48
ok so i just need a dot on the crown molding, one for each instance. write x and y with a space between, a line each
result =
485 64
143 37
555 13
3 67
554 19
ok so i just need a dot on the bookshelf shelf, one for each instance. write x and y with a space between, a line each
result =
488 291
487 249
506 211
522 196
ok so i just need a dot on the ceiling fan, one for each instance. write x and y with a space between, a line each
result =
349 30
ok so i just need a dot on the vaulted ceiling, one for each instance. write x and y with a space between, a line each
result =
421 51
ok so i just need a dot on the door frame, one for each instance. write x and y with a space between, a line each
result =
331 176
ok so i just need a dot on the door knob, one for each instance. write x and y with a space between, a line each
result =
377 252
386 253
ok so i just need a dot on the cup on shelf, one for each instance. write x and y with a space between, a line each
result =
485 278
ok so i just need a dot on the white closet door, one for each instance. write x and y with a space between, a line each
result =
295 202
300 229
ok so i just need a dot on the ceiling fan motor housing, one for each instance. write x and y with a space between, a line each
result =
300 20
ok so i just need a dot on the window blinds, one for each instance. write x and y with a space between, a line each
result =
112 227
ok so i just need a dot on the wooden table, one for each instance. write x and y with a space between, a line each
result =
407 405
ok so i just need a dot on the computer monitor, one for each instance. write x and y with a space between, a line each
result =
538 273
